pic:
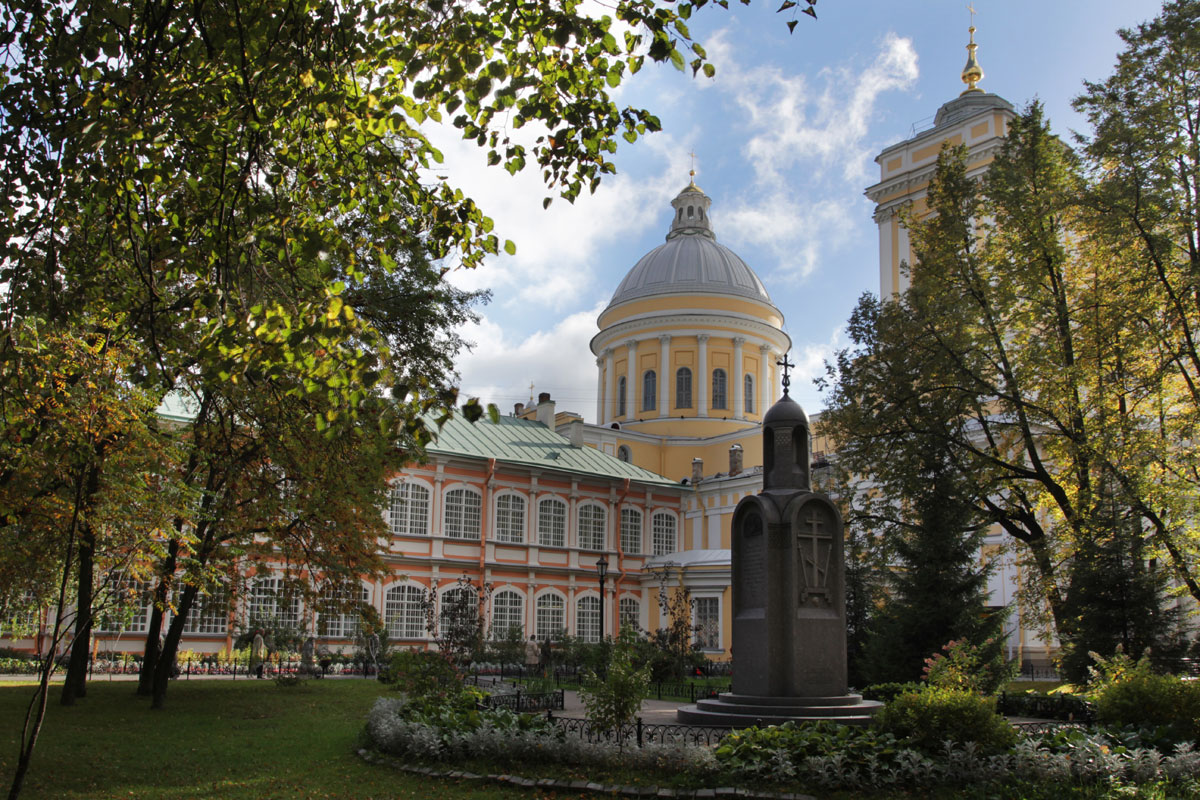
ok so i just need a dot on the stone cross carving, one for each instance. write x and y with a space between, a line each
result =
815 546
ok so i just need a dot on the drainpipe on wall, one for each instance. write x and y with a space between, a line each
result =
484 516
620 563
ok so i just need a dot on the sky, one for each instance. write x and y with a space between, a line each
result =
785 137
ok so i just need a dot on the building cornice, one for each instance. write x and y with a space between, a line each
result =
690 324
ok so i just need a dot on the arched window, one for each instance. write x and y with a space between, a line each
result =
662 531
592 521
458 607
621 396
631 530
463 514
210 614
408 510
707 618
510 518
748 393
404 612
625 454
508 612
683 388
630 612
550 616
131 611
552 522
587 619
270 602
719 393
649 395
338 615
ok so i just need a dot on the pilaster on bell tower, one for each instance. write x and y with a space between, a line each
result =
975 118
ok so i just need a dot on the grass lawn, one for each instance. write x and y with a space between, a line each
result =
216 738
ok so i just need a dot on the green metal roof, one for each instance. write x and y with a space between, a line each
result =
521 441
179 406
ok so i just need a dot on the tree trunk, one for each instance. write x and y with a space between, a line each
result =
75 683
166 659
154 629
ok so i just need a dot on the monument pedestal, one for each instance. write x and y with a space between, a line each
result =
744 711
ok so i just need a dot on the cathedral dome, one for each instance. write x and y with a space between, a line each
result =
691 261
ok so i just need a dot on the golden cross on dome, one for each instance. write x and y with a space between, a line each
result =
971 8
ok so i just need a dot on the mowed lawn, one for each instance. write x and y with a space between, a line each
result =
216 738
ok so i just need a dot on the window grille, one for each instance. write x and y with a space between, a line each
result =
408 510
463 514
662 526
552 523
510 518
631 530
592 520
587 619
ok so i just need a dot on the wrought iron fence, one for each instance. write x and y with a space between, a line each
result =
1046 706
526 701
640 733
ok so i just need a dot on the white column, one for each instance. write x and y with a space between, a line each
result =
630 377
664 399
765 381
610 399
599 391
702 377
739 383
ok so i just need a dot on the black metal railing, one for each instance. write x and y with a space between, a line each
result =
639 733
523 702
1063 707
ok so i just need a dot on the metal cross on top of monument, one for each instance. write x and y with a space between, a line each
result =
787 381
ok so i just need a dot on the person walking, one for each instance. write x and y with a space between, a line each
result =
258 654
532 655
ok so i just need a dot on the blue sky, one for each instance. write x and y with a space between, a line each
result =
785 137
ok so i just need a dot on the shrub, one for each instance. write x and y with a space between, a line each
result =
972 668
932 716
424 675
1142 699
614 700
886 692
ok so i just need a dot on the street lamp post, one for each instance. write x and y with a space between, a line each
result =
602 573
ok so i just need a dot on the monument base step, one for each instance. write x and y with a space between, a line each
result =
744 711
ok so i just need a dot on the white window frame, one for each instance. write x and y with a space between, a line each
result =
506 613
591 534
341 623
710 640
629 611
510 521
631 530
552 528
404 611
587 620
550 614
408 509
462 513
658 534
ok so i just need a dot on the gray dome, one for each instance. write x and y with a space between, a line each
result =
691 260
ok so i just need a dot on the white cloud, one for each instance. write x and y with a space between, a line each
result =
807 151
810 361
499 369
793 124
555 265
